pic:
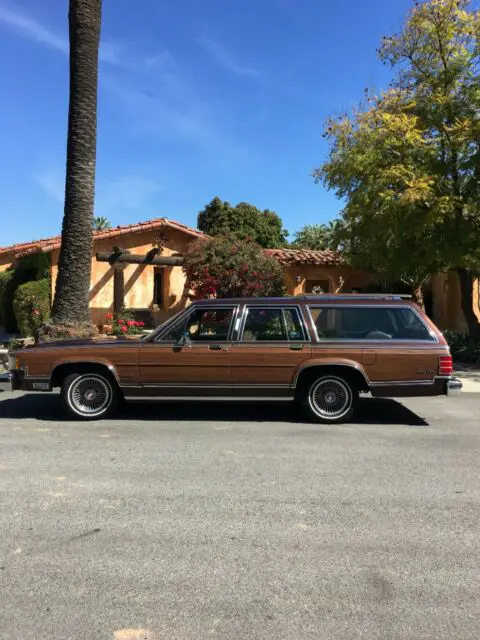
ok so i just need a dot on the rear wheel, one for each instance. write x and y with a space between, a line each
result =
89 396
329 399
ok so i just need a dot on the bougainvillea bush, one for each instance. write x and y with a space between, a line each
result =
123 324
225 267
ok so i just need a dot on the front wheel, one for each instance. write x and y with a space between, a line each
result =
329 399
89 396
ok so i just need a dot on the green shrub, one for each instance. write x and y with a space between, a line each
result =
463 347
31 304
5 278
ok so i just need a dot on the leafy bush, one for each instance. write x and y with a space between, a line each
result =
31 304
463 347
224 267
5 278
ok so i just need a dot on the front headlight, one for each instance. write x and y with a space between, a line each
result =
13 363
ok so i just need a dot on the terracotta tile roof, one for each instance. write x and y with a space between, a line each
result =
289 257
49 244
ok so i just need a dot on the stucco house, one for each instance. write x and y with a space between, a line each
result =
138 266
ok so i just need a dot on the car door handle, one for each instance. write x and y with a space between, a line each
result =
296 347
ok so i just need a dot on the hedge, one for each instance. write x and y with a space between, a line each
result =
5 278
31 304
463 347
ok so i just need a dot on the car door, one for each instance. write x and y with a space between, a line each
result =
272 344
200 365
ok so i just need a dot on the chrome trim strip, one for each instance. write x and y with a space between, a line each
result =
391 383
356 367
338 343
194 385
213 398
110 367
402 383
369 306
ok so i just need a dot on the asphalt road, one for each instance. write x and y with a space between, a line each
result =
235 522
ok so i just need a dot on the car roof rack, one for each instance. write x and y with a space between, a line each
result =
356 296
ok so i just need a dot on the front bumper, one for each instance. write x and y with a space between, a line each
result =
17 379
454 387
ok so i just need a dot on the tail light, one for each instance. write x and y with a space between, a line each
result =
445 366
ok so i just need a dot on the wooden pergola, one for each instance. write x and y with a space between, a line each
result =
119 258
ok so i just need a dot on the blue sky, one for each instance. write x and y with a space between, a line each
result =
196 99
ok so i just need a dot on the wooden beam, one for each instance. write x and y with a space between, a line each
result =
118 291
134 258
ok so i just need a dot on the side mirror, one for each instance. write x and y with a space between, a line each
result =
183 341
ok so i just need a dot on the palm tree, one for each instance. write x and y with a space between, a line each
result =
100 223
70 312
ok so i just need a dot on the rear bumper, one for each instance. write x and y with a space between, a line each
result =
438 387
454 387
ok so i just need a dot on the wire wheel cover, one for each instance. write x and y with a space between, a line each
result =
330 398
90 394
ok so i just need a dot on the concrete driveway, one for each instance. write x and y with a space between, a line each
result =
210 521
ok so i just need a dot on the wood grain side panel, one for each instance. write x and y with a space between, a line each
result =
123 357
266 363
162 363
382 364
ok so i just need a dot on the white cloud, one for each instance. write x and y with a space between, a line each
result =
124 194
52 183
32 30
35 31
225 59
175 111
129 192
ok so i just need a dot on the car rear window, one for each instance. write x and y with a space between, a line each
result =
369 323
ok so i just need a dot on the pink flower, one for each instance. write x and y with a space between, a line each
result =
36 312
131 323
124 329
120 321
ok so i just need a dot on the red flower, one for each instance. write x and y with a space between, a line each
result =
124 329
140 324
131 323
121 321
109 316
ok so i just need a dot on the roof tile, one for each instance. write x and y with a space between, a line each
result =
290 257
49 244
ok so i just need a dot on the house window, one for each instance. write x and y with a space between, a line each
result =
158 287
316 286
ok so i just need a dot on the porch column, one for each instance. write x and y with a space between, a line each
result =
118 288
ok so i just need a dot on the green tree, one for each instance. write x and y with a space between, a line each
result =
319 236
407 161
243 221
70 312
225 268
99 223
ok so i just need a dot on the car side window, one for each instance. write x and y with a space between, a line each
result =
275 325
368 323
202 325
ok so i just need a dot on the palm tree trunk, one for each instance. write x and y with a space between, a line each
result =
71 303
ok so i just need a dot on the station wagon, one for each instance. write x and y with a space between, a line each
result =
320 351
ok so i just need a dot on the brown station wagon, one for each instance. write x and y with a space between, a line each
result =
321 351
